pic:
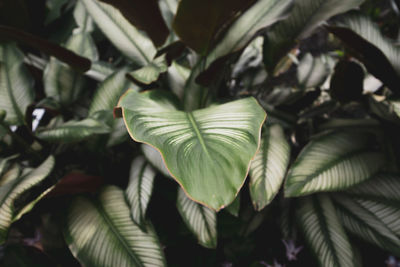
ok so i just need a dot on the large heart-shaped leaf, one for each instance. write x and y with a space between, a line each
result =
360 218
13 189
268 168
332 162
16 85
222 137
324 232
201 220
100 232
140 188
305 16
120 32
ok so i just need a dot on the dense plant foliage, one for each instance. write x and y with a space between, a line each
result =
199 133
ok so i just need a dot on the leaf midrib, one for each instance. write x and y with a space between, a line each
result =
196 129
114 230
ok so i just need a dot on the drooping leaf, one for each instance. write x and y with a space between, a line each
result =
120 32
77 62
234 207
177 76
198 22
260 15
305 17
16 84
100 232
61 81
145 15
11 191
140 187
201 220
380 55
358 218
268 168
223 137
73 131
312 71
82 18
324 232
109 91
150 73
155 158
332 162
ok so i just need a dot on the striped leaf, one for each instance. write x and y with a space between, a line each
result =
100 232
177 76
11 191
360 218
16 85
268 168
120 32
201 220
155 158
140 188
332 162
63 83
207 151
150 73
73 131
306 15
312 71
324 232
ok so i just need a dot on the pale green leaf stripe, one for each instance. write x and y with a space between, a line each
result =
324 232
260 15
63 83
150 73
312 71
109 91
365 224
140 188
154 157
268 168
101 233
73 131
383 188
222 137
332 162
16 85
201 220
11 191
11 174
120 32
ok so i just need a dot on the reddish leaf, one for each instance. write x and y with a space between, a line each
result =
76 183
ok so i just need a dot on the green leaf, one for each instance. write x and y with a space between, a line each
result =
73 131
324 232
150 73
16 84
201 220
109 91
260 15
63 83
140 188
312 71
359 219
222 137
305 17
332 162
12 191
120 32
268 168
234 207
177 76
100 232
155 158
198 23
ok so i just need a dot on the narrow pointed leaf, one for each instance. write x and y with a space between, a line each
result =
223 137
101 232
306 15
63 83
361 222
155 158
324 232
177 76
120 32
16 84
15 188
140 187
268 168
201 220
73 131
332 162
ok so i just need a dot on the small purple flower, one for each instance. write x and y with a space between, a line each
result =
291 249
